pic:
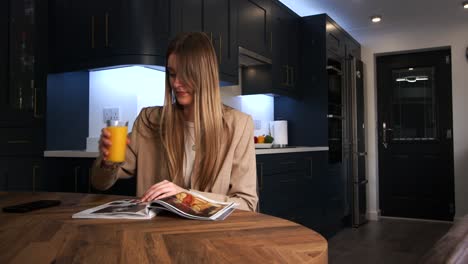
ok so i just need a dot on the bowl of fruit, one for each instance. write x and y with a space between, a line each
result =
263 141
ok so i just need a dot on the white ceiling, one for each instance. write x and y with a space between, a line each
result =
354 15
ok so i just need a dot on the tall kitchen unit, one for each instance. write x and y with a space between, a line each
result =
329 112
355 141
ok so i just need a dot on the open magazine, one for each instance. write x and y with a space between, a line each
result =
186 204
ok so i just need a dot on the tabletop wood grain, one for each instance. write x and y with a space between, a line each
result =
52 236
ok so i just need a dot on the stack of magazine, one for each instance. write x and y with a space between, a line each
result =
185 204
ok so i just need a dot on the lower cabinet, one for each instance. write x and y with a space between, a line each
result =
74 175
22 174
298 187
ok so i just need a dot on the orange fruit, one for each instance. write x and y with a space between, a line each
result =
261 139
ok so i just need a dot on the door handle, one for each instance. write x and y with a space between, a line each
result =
92 32
384 134
107 29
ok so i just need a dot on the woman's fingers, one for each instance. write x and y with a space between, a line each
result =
105 143
161 190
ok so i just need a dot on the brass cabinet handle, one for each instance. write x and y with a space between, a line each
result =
107 29
310 162
19 142
35 167
271 40
288 163
92 32
89 180
292 76
220 49
76 177
285 82
260 184
36 114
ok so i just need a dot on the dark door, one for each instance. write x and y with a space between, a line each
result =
415 135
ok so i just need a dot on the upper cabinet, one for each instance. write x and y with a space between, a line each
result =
285 45
255 26
272 29
92 34
23 52
218 19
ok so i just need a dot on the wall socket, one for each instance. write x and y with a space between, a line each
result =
110 114
257 124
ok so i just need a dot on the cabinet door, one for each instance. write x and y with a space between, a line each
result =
280 33
284 69
19 74
188 16
23 173
353 49
4 67
220 24
254 20
312 184
278 185
3 175
335 40
293 47
69 174
123 30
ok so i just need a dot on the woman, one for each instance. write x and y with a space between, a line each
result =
193 142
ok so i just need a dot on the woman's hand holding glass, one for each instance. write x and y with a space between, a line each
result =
105 143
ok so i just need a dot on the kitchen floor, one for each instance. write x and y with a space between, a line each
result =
385 241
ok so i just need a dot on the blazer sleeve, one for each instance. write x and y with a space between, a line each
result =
243 180
102 178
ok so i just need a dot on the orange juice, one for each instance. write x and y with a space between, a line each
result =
119 143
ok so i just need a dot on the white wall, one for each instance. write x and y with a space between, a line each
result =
412 39
260 107
129 89
132 88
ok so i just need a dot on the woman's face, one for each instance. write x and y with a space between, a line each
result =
183 93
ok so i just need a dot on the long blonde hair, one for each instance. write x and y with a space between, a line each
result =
197 67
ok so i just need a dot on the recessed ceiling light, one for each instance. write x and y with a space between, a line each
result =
376 19
465 4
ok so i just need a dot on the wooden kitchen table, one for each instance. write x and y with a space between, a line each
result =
52 236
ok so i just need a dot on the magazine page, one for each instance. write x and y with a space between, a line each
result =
120 209
194 206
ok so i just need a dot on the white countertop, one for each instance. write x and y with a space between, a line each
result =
92 154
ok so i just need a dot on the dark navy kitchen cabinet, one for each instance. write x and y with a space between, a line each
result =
280 75
24 55
254 30
321 115
22 174
296 186
89 34
220 22
4 51
218 19
68 174
23 51
278 183
74 175
285 26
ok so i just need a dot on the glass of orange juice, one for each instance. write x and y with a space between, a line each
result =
118 137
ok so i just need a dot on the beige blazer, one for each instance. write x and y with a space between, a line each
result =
236 181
